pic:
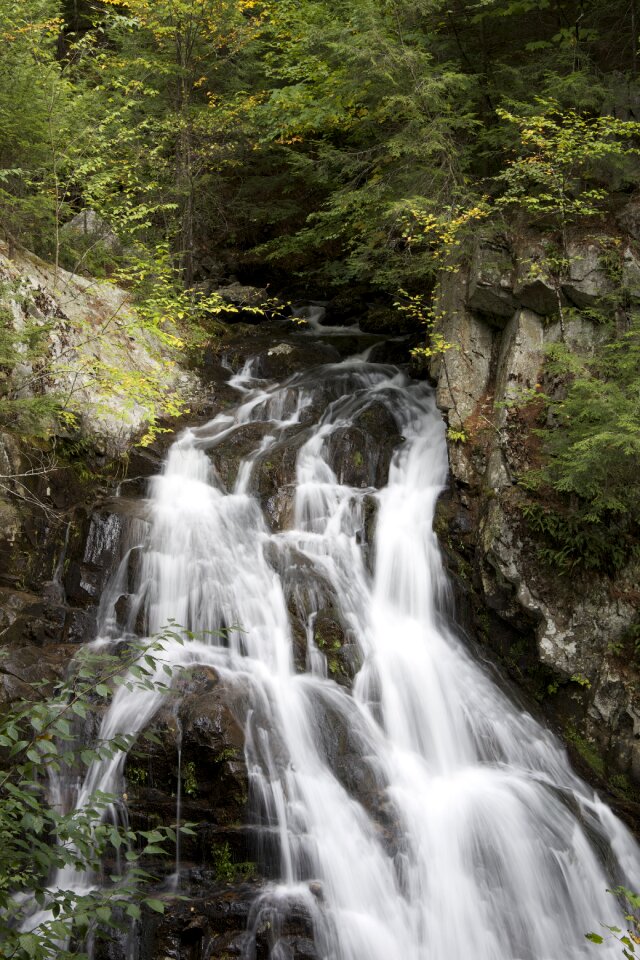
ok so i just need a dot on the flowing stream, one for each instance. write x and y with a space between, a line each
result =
451 825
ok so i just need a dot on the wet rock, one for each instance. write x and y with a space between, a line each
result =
298 948
85 578
237 447
293 352
203 928
342 740
360 454
79 625
31 671
393 352
274 476
330 635
370 505
205 715
282 928
348 345
142 463
283 359
30 619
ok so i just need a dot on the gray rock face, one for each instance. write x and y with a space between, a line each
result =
534 286
462 372
491 280
631 274
94 330
520 358
588 281
571 624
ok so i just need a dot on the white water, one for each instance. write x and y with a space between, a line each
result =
423 816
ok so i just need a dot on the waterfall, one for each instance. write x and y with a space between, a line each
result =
417 813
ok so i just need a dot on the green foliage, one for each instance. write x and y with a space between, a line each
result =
189 779
226 869
592 451
34 98
577 678
586 749
25 408
39 840
564 157
629 939
222 862
385 150
420 310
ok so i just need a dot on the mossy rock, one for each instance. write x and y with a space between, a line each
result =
360 454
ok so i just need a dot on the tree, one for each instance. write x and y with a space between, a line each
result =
592 516
357 92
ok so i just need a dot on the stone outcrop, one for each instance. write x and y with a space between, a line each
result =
560 635
89 226
97 352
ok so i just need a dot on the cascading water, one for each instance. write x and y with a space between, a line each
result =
454 827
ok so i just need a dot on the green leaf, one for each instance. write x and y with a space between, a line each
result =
156 905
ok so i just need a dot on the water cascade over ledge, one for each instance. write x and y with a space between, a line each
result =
456 829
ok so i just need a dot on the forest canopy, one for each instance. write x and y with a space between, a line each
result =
322 146
335 141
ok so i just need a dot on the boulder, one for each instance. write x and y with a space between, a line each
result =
92 330
90 226
196 735
347 307
588 281
360 454
534 287
273 479
490 284
24 670
243 303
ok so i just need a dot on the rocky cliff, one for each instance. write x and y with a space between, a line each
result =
561 634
